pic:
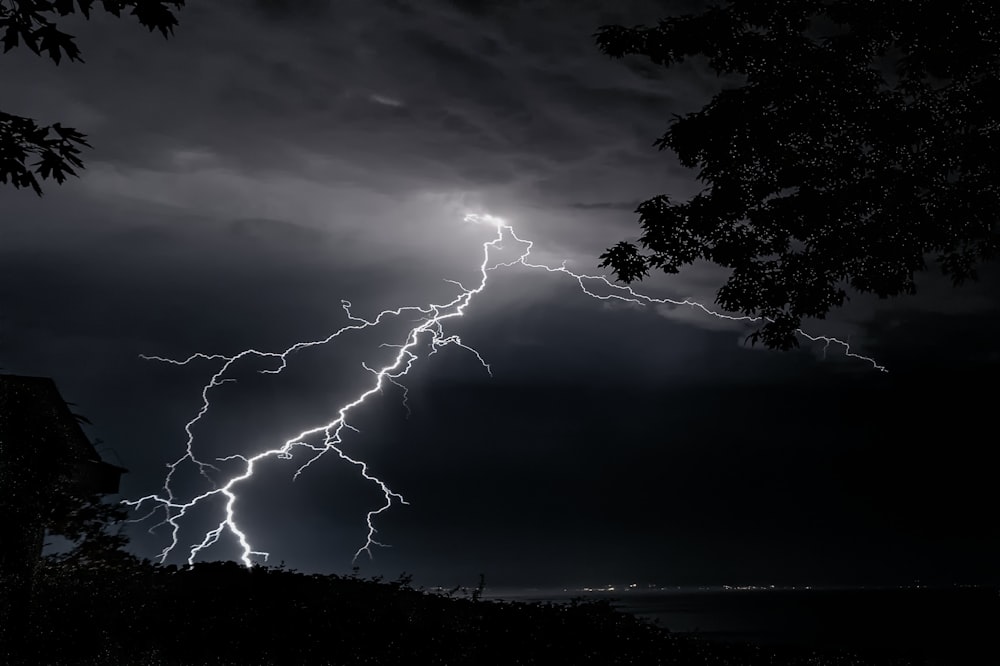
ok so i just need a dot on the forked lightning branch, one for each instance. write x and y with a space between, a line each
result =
428 335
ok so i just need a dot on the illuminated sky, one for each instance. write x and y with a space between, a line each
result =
267 162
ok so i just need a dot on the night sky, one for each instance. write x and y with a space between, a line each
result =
276 157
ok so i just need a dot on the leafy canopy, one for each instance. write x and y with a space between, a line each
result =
93 529
861 141
31 23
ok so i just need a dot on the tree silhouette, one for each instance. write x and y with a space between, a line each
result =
92 528
31 23
859 143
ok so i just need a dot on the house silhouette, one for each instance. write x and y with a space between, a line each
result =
43 451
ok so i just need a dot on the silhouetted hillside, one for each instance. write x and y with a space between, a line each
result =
222 613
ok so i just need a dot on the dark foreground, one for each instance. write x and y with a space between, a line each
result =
221 613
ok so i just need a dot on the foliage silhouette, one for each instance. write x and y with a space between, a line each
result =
31 23
93 529
860 140
224 613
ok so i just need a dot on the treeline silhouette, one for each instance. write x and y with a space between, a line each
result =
223 613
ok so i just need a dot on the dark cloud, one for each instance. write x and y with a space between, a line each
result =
606 205
284 9
262 230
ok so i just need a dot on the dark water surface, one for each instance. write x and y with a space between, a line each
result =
959 625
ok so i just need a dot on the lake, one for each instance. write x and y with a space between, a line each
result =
957 626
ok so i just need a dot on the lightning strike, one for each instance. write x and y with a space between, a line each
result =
326 438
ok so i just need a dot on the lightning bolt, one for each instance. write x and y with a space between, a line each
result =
327 438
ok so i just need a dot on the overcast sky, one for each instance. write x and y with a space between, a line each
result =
276 157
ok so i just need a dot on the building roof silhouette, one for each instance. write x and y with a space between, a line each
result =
37 424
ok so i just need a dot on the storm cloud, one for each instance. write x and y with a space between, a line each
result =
276 157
